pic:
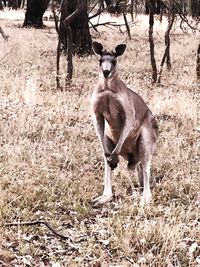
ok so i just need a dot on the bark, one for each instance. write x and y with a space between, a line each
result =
34 13
151 41
198 63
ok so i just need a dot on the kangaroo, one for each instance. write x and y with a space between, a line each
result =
124 124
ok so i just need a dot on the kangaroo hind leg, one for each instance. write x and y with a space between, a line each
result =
146 149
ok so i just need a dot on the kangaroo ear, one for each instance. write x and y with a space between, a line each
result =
119 50
97 48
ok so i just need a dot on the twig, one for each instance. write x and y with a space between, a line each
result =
9 52
109 23
39 223
93 26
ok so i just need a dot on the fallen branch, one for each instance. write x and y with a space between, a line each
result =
111 24
39 223
7 54
5 36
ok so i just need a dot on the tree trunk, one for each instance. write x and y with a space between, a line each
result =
73 35
167 40
198 63
166 56
195 6
1 5
34 13
81 38
190 7
127 27
151 5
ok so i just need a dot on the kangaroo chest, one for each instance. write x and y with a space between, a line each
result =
111 107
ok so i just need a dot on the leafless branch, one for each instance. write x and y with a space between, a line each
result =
183 16
39 223
99 12
95 5
93 26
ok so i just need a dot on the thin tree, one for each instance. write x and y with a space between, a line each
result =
73 34
151 7
1 5
166 57
198 63
81 38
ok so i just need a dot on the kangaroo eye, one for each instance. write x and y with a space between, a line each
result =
100 61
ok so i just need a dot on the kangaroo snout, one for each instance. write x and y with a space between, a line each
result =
106 73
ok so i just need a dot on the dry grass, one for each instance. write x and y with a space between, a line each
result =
51 164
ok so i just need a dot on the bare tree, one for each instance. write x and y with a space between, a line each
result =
151 6
166 57
73 34
81 38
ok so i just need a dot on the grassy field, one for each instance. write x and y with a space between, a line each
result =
51 164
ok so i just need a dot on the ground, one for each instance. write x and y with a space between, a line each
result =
51 164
